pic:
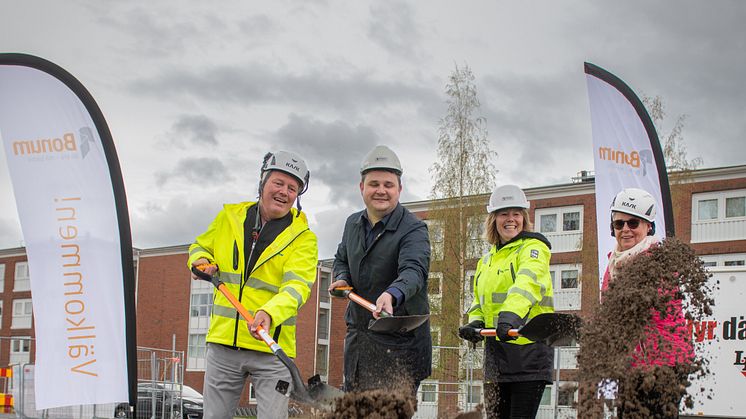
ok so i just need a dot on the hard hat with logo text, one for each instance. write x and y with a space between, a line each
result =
507 196
383 158
636 202
289 163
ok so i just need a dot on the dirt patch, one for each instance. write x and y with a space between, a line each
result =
373 404
612 337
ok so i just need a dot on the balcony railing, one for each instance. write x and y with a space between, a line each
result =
565 242
567 299
718 230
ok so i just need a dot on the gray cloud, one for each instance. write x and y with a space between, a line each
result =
197 129
203 171
178 221
332 150
393 27
255 84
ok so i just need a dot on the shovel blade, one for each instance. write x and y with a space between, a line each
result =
553 326
400 324
321 393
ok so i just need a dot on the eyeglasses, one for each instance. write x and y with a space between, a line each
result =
633 223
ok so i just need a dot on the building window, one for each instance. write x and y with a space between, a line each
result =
434 290
22 314
200 306
567 394
566 285
468 289
563 226
20 350
323 331
707 209
2 277
428 393
474 394
726 259
22 281
196 350
735 207
548 223
324 281
435 336
476 246
435 230
1 312
719 216
322 360
569 279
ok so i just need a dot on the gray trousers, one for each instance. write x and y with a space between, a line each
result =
225 375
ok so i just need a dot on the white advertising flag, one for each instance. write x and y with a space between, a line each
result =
70 199
627 154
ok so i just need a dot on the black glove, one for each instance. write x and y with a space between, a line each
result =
470 331
502 331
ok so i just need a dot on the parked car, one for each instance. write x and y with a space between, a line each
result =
162 401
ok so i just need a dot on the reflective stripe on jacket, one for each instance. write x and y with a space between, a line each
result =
513 278
279 284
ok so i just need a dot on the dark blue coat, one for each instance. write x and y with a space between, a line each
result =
399 257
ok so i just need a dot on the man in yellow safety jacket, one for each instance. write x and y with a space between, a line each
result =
266 256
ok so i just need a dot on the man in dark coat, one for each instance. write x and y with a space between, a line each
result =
385 257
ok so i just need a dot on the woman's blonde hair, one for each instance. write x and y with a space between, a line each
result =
490 226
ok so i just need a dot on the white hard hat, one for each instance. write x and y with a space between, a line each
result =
507 196
381 157
636 202
289 163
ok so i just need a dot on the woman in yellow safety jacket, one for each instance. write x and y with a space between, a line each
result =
511 286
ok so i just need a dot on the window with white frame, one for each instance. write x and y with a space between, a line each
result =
20 350
2 277
566 286
428 393
434 290
1 312
567 393
476 246
719 216
728 259
196 351
435 335
563 226
22 280
468 289
323 324
22 314
200 307
474 393
436 231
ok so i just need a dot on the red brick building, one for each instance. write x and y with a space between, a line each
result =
172 310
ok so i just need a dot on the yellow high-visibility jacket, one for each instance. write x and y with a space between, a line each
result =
279 284
513 278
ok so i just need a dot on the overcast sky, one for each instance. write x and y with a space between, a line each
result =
196 92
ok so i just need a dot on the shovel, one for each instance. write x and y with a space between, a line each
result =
558 328
387 323
317 393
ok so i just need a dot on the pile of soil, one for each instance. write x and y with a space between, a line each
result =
373 404
645 285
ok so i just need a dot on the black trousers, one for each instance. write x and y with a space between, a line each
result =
519 400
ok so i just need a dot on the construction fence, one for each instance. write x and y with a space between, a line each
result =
160 376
